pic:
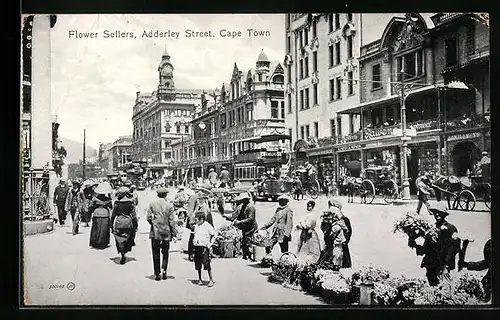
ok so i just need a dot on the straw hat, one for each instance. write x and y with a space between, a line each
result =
162 191
103 188
242 196
284 197
440 209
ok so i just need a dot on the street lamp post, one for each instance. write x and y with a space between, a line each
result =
405 180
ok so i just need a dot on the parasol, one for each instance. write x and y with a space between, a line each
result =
103 188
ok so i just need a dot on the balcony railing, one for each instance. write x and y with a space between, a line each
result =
468 122
326 141
357 136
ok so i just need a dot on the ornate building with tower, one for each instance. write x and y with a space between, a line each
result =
160 117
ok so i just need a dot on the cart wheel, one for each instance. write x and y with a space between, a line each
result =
391 194
466 200
313 192
487 195
367 191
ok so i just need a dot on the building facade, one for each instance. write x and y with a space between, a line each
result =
120 153
105 158
243 126
322 51
161 117
417 63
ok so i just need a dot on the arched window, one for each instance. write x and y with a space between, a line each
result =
280 79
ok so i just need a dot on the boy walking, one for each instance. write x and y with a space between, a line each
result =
204 238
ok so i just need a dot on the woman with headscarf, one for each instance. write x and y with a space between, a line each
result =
346 225
309 245
101 207
124 222
333 232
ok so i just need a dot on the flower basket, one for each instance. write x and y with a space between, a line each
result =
334 288
267 261
261 238
227 249
415 225
284 268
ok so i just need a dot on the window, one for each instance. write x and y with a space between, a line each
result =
337 52
301 67
330 22
260 77
301 39
307 132
306 36
307 98
306 67
274 109
302 132
339 126
282 103
315 94
350 86
337 21
451 54
314 29
338 84
223 121
420 62
289 103
349 46
249 108
288 45
315 61
332 89
351 123
289 73
186 129
376 77
410 65
301 99
178 129
332 128
349 17
330 55
316 129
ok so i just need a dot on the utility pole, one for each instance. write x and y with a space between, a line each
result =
83 162
405 183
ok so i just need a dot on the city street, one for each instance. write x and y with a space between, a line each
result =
61 269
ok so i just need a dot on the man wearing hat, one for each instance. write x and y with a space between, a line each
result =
160 215
439 255
74 201
244 219
212 177
60 195
181 198
135 196
423 184
282 223
224 177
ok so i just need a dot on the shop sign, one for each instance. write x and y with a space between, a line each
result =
379 132
465 136
351 147
424 125
245 164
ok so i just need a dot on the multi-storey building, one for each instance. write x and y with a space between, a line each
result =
244 127
161 117
322 50
418 59
120 153
105 157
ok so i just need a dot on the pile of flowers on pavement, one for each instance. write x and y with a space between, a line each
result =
343 286
228 233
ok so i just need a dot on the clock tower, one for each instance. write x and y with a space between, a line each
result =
166 85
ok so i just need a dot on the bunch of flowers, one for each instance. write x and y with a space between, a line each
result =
463 290
334 288
267 261
260 238
228 232
415 225
307 277
375 274
284 268
384 294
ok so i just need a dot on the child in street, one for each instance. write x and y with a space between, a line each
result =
204 238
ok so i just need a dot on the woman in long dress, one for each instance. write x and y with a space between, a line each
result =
309 246
124 222
333 232
346 259
101 207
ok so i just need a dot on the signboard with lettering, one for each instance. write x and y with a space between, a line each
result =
379 132
465 136
350 147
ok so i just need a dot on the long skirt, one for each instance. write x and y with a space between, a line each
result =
309 246
125 240
100 233
332 254
346 256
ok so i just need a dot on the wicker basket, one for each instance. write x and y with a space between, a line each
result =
227 249
260 241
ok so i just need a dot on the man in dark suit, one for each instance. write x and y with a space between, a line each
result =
245 221
60 194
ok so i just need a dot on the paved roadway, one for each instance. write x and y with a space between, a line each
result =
54 260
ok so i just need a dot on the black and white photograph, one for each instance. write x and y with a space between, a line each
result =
301 159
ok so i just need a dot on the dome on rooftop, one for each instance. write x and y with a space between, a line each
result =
262 57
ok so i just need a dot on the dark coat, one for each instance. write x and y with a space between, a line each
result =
160 212
100 208
441 253
245 221
283 223
80 198
60 194
484 264
124 215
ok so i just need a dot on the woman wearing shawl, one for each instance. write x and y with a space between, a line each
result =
309 245
346 259
100 209
88 192
334 238
124 222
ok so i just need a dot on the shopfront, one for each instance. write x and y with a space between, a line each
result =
464 151
346 155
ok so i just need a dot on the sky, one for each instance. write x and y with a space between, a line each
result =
95 80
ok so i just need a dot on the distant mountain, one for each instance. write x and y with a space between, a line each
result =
75 150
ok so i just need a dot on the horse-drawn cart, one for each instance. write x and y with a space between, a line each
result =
374 181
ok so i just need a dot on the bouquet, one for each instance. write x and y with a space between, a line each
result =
384 294
307 277
229 232
376 274
334 288
415 225
260 238
267 261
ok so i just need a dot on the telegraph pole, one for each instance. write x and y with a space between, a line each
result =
83 162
